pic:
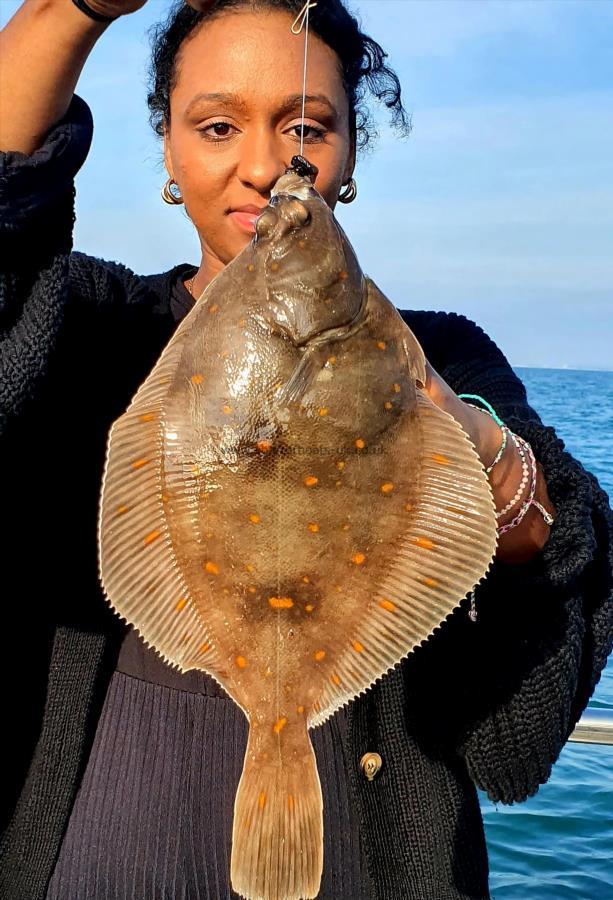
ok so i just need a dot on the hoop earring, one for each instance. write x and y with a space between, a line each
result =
167 194
350 192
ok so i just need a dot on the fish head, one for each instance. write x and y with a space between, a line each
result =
313 281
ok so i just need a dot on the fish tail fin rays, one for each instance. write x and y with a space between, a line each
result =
448 547
277 834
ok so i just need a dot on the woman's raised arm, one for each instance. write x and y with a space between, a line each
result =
43 49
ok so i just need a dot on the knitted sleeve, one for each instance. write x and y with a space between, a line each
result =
36 227
506 691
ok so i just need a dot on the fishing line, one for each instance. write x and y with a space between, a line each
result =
302 21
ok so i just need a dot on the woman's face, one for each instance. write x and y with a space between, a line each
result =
235 114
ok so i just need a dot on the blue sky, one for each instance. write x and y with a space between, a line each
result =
499 205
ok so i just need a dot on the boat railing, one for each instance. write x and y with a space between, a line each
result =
594 727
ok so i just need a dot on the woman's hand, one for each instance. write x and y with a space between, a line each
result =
521 543
478 425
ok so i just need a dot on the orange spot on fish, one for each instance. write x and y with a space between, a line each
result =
249 567
360 443
338 588
381 345
241 662
388 605
147 417
408 507
251 267
337 483
165 498
254 518
279 724
261 799
309 607
306 579
264 446
439 458
241 321
290 802
431 582
300 709
396 387
139 463
319 655
357 646
281 602
227 409
323 411
197 379
152 536
358 558
331 360
335 679
387 486
181 604
122 509
426 543
302 244
251 589
314 527
196 470
204 647
387 404
345 526
340 464
310 480
213 308
343 275
211 567
274 266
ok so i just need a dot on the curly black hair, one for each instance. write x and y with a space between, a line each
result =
361 58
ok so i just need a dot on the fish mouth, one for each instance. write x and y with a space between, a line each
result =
292 185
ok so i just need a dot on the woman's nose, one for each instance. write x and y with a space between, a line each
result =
260 164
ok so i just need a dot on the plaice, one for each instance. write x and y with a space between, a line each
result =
284 508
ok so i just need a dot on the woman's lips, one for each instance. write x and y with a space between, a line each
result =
244 220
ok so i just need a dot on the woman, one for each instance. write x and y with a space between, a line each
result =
121 773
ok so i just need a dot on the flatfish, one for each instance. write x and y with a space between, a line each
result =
284 507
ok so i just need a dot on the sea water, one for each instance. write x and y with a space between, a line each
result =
559 843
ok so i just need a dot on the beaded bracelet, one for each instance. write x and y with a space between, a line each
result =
523 448
524 478
524 509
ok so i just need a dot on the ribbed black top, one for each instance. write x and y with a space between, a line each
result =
153 815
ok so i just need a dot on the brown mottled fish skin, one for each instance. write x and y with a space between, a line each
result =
284 508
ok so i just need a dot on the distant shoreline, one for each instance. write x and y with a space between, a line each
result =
564 369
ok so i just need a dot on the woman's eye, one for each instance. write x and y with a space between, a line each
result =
216 131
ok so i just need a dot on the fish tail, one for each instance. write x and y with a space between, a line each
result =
277 834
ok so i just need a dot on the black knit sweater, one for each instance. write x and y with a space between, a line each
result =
487 703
